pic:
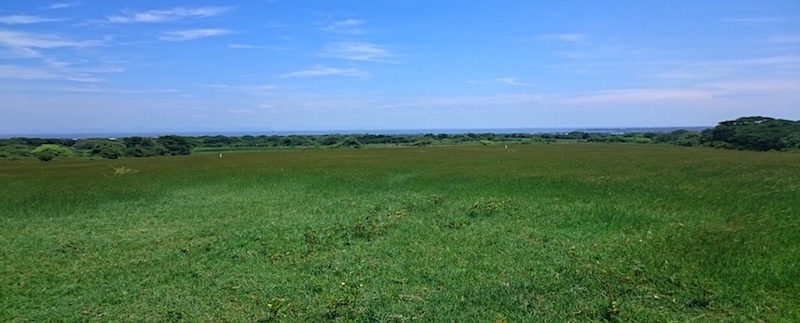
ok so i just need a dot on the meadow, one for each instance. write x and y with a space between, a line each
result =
535 232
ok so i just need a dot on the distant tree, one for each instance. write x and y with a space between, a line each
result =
755 133
330 140
112 150
423 141
177 145
105 148
47 152
351 142
143 147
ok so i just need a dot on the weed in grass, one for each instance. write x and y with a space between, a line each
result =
122 170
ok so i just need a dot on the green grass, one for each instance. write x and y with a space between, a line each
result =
563 232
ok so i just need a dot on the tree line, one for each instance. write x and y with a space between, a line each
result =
748 133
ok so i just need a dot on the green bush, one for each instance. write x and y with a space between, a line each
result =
143 147
48 152
46 156
110 149
176 145
351 142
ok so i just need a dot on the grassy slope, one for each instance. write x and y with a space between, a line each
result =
545 232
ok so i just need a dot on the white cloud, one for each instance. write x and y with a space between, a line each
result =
248 89
498 100
61 5
511 81
784 39
32 73
357 51
347 26
756 20
775 61
638 96
119 91
250 46
243 46
326 71
726 68
27 44
183 35
26 73
165 15
569 38
757 85
25 19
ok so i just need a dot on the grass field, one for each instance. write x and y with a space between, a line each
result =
561 232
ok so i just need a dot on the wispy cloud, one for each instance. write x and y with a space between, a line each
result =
118 91
569 38
33 73
729 67
28 44
471 101
25 19
784 39
243 46
60 5
756 85
249 89
756 20
511 81
638 96
319 70
357 51
191 34
774 61
250 46
347 26
260 109
165 15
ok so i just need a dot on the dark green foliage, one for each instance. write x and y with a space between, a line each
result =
109 149
112 151
143 147
177 145
46 155
14 150
756 133
752 133
351 142
425 141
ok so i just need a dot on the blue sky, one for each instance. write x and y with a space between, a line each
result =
177 66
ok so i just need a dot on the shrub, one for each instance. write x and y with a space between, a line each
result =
111 151
46 156
176 145
351 142
48 152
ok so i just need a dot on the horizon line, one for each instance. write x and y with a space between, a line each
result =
398 131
